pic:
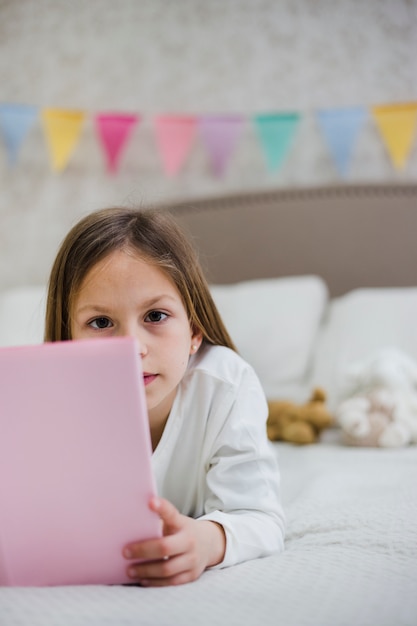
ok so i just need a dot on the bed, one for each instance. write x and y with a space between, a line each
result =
333 274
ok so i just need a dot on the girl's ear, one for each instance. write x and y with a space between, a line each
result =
196 340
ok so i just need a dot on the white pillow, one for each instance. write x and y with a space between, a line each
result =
359 324
274 324
22 312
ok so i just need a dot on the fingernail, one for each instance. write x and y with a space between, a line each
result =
132 572
127 553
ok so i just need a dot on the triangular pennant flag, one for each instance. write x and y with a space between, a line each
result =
276 133
114 129
62 130
15 122
174 136
220 135
340 128
397 126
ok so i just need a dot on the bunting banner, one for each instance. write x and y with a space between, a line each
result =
15 122
340 129
62 131
397 126
174 137
276 133
114 130
220 135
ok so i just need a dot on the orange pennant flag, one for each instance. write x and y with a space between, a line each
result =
397 126
62 130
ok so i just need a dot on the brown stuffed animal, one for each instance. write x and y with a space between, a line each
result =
298 423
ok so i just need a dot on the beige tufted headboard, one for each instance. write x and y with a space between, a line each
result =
353 236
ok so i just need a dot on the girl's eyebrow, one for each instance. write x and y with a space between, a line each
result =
91 307
157 299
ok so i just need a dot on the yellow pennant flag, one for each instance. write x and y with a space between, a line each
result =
62 130
397 126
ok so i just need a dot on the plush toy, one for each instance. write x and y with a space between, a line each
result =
379 403
298 423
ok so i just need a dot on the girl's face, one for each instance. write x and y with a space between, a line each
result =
126 295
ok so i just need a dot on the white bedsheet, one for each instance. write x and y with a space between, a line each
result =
351 558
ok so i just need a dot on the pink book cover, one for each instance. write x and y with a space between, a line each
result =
75 462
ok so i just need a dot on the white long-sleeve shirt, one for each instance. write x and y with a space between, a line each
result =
214 461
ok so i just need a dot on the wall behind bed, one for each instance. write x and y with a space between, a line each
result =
188 56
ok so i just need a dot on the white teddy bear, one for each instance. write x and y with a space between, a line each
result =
379 405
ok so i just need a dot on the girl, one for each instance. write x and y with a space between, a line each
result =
126 272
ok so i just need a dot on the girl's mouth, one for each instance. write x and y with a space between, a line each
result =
148 378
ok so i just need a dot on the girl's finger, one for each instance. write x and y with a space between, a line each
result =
172 519
167 572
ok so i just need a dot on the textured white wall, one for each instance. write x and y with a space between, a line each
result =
195 56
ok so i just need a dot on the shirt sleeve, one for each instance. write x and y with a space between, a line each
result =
243 477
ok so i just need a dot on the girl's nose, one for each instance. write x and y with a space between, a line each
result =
143 349
131 330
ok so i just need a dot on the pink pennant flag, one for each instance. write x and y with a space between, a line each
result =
114 130
174 136
220 135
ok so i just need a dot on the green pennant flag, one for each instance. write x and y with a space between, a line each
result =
276 133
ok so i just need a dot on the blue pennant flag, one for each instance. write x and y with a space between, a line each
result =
15 122
340 128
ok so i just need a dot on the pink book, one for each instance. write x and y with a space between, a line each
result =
75 462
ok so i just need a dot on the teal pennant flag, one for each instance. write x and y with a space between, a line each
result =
15 122
340 129
276 133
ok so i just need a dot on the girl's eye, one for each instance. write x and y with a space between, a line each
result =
100 323
156 316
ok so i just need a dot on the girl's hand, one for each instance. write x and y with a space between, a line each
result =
187 548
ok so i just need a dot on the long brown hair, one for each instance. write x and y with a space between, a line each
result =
153 235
